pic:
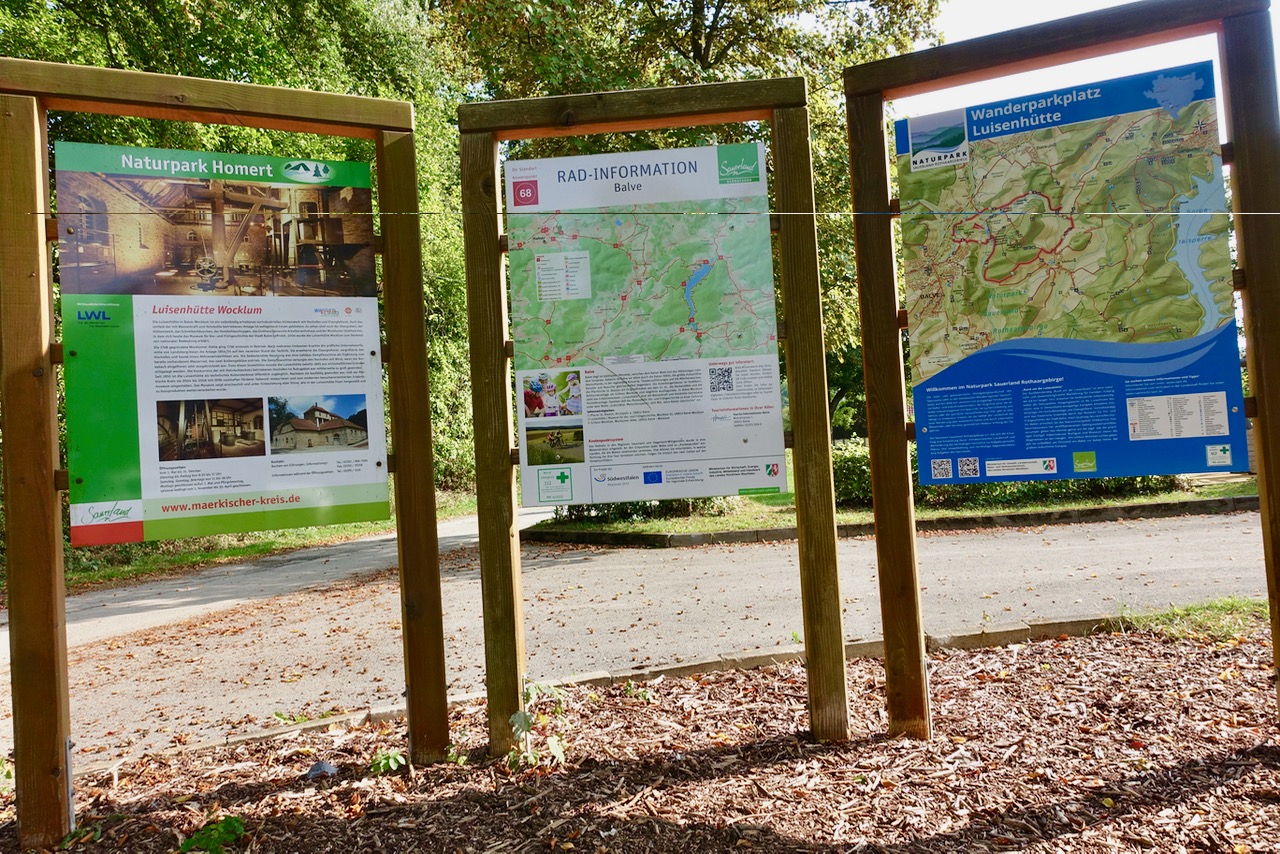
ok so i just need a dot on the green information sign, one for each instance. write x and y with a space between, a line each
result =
220 324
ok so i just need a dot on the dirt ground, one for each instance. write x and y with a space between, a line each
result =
1115 742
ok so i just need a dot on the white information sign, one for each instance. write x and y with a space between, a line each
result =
642 310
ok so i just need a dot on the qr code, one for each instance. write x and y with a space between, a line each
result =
941 469
968 466
721 379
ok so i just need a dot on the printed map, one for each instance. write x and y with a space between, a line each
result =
1105 230
648 283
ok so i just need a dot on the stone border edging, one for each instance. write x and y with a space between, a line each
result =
990 636
1193 507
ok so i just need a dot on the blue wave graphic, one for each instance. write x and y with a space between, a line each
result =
1099 357
1043 408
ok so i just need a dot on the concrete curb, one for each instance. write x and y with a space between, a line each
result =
1195 507
990 636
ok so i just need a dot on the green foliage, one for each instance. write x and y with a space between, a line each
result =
851 471
851 468
388 760
535 728
383 48
639 511
552 47
846 390
278 413
552 694
214 835
437 54
1022 493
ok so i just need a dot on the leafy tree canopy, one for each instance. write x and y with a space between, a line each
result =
543 47
365 47
437 53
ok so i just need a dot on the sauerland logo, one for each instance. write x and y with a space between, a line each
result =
308 171
738 164
106 515
938 140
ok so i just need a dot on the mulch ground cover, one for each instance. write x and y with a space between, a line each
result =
1114 742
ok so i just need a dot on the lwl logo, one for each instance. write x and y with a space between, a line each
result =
99 314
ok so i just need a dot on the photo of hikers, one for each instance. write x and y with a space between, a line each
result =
302 424
210 429
129 234
557 445
548 394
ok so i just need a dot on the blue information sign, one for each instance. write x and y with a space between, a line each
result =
1068 284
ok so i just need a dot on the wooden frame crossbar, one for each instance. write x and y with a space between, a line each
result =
34 528
783 103
79 88
1249 74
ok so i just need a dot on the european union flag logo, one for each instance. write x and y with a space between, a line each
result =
653 477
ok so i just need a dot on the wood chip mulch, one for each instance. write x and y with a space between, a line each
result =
1115 742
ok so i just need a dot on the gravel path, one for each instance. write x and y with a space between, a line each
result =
186 661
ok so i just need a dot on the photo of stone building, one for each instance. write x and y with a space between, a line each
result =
317 429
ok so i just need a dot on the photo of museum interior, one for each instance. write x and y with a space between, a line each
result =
210 429
184 236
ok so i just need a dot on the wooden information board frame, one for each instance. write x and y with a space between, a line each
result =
782 103
1247 60
28 401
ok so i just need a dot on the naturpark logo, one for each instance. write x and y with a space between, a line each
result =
739 164
938 140
308 171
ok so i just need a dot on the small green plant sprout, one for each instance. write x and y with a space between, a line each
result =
535 691
534 728
214 835
455 755
6 774
286 718
81 835
387 760
637 692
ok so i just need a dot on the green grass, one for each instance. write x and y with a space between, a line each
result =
1234 489
108 565
778 511
1219 621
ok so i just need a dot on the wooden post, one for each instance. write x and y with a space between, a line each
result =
33 510
504 653
420 598
811 455
906 681
1249 78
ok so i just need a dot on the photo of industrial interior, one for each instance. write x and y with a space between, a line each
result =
124 234
210 429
